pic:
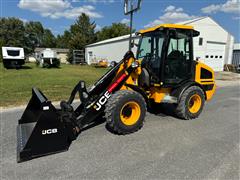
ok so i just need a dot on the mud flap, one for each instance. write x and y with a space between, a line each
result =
40 130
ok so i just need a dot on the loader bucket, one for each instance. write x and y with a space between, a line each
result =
40 131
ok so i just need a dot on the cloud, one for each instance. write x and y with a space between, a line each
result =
231 6
58 9
44 6
75 12
125 21
95 1
171 15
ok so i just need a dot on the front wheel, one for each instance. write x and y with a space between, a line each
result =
125 112
191 103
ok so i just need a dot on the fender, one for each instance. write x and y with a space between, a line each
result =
177 92
139 90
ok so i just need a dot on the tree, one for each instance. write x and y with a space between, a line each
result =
11 32
15 33
115 30
82 32
33 35
62 41
48 39
1 45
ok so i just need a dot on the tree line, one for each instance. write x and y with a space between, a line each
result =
14 32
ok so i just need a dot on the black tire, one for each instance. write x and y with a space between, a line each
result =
115 107
183 107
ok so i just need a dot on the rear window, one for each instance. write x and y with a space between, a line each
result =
13 52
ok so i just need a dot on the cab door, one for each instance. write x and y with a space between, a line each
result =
178 60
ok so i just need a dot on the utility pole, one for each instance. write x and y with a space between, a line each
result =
130 8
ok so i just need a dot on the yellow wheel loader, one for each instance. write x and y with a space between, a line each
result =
163 71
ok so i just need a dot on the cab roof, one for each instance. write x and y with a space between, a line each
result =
176 26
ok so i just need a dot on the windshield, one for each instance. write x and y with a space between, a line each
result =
151 45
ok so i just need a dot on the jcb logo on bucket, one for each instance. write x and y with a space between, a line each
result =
49 131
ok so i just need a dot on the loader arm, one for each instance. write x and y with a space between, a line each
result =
102 90
44 129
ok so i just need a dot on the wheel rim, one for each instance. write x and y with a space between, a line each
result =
194 103
130 113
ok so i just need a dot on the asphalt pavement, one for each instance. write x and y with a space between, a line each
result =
165 148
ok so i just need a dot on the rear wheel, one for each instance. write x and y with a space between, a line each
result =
191 103
125 112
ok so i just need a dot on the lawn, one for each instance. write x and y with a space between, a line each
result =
55 83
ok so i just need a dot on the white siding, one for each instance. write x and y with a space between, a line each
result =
229 49
215 55
216 42
112 51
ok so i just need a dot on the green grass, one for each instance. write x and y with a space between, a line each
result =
56 84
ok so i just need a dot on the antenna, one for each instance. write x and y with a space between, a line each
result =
131 6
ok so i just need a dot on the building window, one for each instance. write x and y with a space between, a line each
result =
216 56
220 57
200 43
207 56
212 56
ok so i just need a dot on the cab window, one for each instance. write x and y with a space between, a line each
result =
178 61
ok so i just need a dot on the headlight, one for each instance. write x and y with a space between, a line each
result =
135 64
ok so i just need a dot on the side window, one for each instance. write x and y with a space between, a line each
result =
160 44
179 47
145 47
178 62
172 45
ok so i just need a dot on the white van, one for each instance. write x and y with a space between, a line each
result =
13 57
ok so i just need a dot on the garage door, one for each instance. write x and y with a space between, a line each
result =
214 56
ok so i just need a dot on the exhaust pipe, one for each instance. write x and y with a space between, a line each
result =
42 129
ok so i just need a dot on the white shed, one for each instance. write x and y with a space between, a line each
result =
111 49
214 46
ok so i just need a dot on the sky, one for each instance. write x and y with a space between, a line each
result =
58 15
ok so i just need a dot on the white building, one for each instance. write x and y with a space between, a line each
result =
111 49
214 46
236 54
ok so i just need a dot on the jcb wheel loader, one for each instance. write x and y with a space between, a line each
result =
162 71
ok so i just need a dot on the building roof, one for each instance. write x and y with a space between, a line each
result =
120 38
192 20
201 18
178 26
183 24
57 50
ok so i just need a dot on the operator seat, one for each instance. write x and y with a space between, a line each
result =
173 64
